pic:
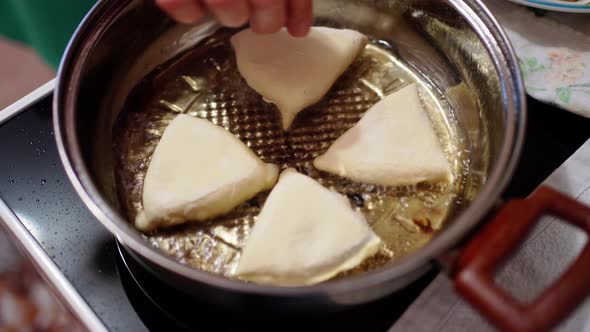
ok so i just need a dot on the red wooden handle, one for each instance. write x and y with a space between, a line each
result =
475 266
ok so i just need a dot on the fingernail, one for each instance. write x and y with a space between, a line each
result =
183 12
263 20
184 17
233 19
299 30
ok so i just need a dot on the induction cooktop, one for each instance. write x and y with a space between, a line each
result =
107 289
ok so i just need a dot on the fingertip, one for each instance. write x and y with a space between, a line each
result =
183 11
300 17
235 22
231 13
268 16
264 26
299 30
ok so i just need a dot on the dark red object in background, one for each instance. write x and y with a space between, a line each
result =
26 302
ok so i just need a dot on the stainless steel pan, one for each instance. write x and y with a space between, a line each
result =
454 48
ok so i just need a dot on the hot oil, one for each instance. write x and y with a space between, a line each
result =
205 83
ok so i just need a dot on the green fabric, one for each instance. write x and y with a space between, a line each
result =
44 25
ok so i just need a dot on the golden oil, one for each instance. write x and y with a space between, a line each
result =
205 83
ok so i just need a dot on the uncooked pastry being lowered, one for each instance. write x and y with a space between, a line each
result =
393 144
294 73
199 171
305 234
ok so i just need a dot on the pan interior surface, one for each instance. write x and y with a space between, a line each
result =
204 82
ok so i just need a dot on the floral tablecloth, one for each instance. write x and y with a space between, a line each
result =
553 51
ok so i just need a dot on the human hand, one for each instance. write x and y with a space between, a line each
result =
265 16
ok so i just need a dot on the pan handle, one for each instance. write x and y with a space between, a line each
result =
474 269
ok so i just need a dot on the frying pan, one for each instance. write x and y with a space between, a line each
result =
455 47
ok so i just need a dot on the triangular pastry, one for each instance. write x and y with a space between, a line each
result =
393 144
294 73
305 234
199 171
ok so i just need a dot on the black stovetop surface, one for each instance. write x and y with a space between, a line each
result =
33 183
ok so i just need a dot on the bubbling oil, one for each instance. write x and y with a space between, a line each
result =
205 83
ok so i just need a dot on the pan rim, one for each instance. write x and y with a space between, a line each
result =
64 111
